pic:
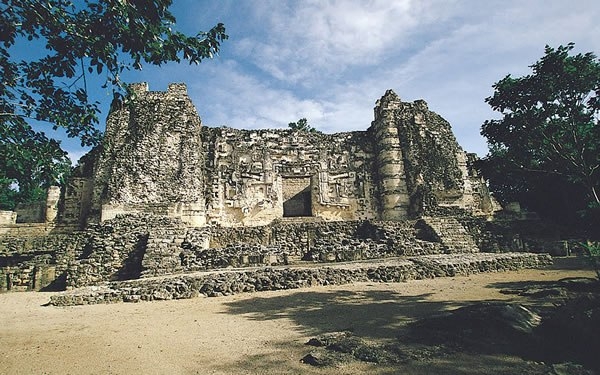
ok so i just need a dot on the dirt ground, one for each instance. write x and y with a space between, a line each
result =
257 333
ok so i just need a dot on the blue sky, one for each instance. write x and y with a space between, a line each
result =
329 61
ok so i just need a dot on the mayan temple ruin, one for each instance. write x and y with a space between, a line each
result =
165 195
158 158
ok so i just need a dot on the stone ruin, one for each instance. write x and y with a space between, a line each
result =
164 195
157 157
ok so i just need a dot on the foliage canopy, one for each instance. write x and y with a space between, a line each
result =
302 125
70 42
548 136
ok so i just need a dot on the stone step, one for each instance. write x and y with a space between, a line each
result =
452 234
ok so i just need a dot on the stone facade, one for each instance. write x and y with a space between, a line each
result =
158 158
255 177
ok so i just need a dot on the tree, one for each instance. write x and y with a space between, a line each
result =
32 161
549 132
302 125
75 40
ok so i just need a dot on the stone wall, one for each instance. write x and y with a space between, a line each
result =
239 255
333 241
115 249
372 240
294 238
35 263
75 205
27 230
223 237
164 248
508 234
215 284
8 218
141 246
135 246
132 246
33 212
257 176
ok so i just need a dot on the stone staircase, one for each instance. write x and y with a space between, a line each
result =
452 234
161 255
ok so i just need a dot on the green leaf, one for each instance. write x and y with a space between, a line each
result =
110 35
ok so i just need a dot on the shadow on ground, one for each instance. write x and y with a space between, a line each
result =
370 314
448 337
378 318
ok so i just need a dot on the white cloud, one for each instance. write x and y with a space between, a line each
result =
244 101
330 36
329 61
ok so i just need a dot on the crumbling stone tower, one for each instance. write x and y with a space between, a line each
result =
420 165
151 159
393 192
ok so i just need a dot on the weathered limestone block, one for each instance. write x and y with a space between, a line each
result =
52 199
8 217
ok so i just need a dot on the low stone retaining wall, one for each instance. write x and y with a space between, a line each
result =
214 284
239 255
363 249
465 264
34 263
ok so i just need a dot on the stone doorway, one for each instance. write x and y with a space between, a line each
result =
297 199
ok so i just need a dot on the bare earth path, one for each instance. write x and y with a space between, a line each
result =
258 333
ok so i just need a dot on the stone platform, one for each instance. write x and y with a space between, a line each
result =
234 281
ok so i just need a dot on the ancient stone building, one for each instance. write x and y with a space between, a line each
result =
165 195
158 158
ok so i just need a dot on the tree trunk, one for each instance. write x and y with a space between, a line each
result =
595 195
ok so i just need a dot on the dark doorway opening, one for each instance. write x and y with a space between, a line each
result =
298 205
297 197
